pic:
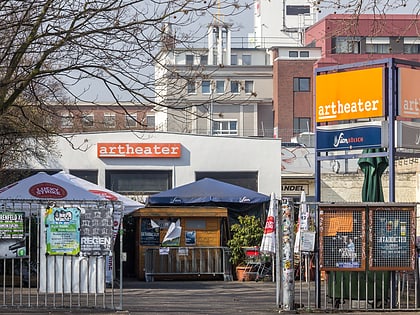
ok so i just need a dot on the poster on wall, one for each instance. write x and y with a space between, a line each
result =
392 238
62 226
12 237
150 233
96 232
173 236
190 238
342 238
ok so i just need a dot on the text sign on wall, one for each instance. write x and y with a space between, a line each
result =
349 136
342 238
392 238
350 95
409 100
139 150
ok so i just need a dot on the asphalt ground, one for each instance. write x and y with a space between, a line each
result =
193 297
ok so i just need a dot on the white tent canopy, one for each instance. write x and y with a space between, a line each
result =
42 186
129 204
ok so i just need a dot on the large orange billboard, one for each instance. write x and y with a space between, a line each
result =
409 101
350 95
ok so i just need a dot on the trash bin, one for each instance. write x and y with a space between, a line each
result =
351 285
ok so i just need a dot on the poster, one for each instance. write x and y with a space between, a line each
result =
12 236
190 238
342 238
392 239
62 226
150 233
96 232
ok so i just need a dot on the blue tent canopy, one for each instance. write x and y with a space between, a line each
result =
207 191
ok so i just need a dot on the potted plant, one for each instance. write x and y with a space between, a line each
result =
248 232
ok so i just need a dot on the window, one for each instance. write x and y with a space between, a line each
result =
138 181
234 60
301 124
301 84
191 87
67 121
411 45
205 87
297 9
293 54
246 60
150 121
109 120
204 60
131 120
346 45
249 87
225 127
90 176
189 60
234 87
304 54
377 45
220 87
87 120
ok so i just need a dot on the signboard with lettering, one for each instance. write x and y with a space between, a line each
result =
349 136
392 238
150 233
409 100
350 95
139 150
408 135
62 226
342 238
294 189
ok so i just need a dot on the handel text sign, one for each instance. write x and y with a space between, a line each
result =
350 95
392 238
139 150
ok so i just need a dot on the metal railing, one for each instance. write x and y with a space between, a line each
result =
191 261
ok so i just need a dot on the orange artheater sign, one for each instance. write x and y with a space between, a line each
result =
350 95
139 150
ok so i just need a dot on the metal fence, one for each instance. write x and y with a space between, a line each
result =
187 261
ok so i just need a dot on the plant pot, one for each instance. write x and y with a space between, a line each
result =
243 273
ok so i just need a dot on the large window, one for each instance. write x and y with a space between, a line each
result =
87 120
220 87
131 120
249 87
346 45
110 120
90 176
225 127
377 45
234 87
411 45
297 9
234 60
301 84
191 87
246 60
132 182
301 124
189 60
150 121
203 60
206 87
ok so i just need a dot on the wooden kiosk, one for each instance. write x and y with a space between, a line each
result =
194 250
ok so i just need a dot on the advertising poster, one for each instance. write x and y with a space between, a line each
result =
96 232
62 226
342 238
190 238
12 237
150 233
392 239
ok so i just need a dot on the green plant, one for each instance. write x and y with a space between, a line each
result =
248 232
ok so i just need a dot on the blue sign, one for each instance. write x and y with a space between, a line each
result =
348 138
